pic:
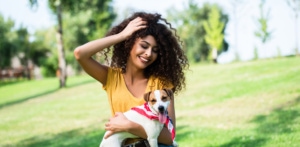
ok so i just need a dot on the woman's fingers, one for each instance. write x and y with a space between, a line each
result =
108 133
137 20
134 25
140 22
137 23
114 125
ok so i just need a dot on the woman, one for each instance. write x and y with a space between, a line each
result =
146 56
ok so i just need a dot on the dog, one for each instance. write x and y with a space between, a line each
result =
152 116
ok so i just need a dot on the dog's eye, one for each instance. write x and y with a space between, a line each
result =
153 101
164 98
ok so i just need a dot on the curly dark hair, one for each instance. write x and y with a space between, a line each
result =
171 60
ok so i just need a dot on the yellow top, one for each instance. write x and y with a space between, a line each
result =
119 97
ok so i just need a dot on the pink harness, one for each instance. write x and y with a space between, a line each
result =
145 111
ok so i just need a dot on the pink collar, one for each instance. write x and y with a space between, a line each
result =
145 111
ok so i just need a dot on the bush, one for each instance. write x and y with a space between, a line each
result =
49 66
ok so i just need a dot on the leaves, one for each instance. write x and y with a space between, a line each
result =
214 28
263 28
190 26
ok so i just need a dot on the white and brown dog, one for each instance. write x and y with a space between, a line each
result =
152 116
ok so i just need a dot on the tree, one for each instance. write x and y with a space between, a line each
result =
214 28
73 7
87 25
190 28
22 46
15 43
43 51
60 48
263 28
6 46
295 6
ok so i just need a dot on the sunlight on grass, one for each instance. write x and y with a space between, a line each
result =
45 116
232 105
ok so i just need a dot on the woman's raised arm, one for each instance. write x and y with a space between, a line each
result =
84 53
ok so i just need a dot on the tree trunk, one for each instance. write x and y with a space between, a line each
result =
60 48
215 55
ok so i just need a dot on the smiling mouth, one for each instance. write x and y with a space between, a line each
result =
144 59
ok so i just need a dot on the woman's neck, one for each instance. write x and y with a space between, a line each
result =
136 82
134 75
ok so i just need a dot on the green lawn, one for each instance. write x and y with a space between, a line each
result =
245 104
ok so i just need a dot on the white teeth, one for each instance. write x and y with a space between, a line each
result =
143 59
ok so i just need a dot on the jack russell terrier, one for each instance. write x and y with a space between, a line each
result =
152 116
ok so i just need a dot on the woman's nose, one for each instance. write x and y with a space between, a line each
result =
148 52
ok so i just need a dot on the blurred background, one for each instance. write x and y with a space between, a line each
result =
237 31
243 87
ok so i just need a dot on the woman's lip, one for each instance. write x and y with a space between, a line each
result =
144 59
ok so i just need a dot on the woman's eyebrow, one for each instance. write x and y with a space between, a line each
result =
146 42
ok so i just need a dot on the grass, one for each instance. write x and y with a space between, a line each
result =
246 104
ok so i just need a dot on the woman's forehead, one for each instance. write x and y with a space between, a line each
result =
149 39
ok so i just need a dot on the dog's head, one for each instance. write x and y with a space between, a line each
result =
158 101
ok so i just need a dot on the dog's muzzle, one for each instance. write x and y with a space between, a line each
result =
161 109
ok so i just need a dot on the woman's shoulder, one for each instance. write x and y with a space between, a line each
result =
114 70
114 76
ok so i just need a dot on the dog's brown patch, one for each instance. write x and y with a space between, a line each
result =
166 94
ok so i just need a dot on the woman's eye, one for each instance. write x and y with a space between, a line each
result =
155 50
144 46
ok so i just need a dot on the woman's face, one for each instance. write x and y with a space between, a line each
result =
143 53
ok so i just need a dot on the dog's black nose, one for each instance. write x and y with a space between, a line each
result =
161 109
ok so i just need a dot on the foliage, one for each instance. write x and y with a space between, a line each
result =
84 20
263 30
81 29
93 17
99 15
50 66
45 44
6 42
214 28
15 43
189 23
22 45
40 53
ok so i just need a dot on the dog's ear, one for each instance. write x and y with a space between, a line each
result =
146 96
169 92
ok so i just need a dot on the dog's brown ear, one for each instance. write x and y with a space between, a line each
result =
169 92
146 96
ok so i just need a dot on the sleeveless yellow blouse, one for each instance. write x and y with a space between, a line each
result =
119 97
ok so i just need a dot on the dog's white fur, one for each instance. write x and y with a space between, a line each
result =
152 127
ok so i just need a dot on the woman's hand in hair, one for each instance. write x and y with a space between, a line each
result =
134 25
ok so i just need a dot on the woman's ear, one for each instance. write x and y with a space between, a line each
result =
146 96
